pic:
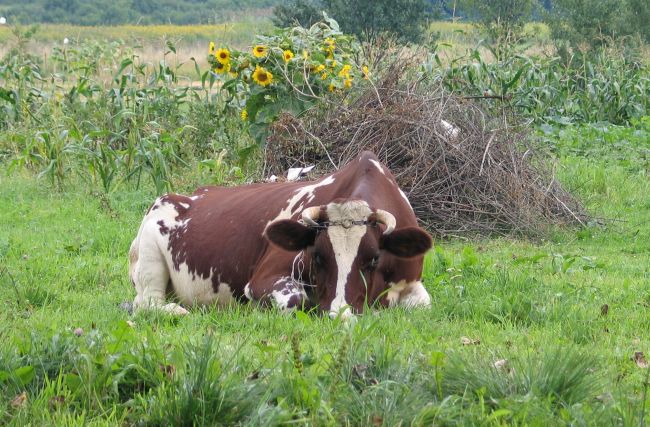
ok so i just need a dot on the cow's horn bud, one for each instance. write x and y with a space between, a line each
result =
386 218
311 215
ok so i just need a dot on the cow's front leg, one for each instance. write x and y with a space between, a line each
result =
408 294
150 277
283 292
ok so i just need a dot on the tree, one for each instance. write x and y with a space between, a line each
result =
587 22
367 19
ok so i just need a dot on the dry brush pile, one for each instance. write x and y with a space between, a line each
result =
481 176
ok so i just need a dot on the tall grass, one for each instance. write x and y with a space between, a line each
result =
111 118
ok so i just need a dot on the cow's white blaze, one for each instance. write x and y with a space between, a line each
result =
292 204
345 242
408 294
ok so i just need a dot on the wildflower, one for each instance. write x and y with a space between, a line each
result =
211 48
323 76
262 77
333 64
331 87
345 71
3 20
260 51
288 55
221 68
244 114
320 68
223 56
233 74
347 83
366 73
66 40
330 42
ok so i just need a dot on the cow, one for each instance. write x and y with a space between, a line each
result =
346 241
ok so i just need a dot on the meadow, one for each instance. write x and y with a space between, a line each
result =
551 330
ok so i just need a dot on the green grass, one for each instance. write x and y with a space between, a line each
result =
536 304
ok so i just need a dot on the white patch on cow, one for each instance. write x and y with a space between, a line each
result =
345 242
287 288
152 267
408 294
378 165
292 204
406 199
185 205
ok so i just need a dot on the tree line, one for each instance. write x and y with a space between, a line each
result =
115 12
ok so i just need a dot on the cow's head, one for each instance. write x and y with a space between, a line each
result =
353 251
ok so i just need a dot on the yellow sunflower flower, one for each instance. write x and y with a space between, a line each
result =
288 55
262 77
323 76
260 51
345 71
223 55
320 68
330 42
347 83
331 87
211 48
244 114
221 68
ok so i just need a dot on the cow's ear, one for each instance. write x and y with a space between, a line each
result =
290 235
407 242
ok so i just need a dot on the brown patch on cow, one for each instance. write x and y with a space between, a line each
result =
164 230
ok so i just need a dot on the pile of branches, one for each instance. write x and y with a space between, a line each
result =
464 170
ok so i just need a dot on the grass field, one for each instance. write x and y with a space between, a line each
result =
520 332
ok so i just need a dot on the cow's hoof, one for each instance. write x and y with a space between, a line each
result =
175 309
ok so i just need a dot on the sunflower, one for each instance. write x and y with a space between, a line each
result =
260 51
345 71
347 83
323 76
220 68
211 48
288 55
330 42
223 55
244 114
262 77
331 87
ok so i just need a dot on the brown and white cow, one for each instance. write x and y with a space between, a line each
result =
341 242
